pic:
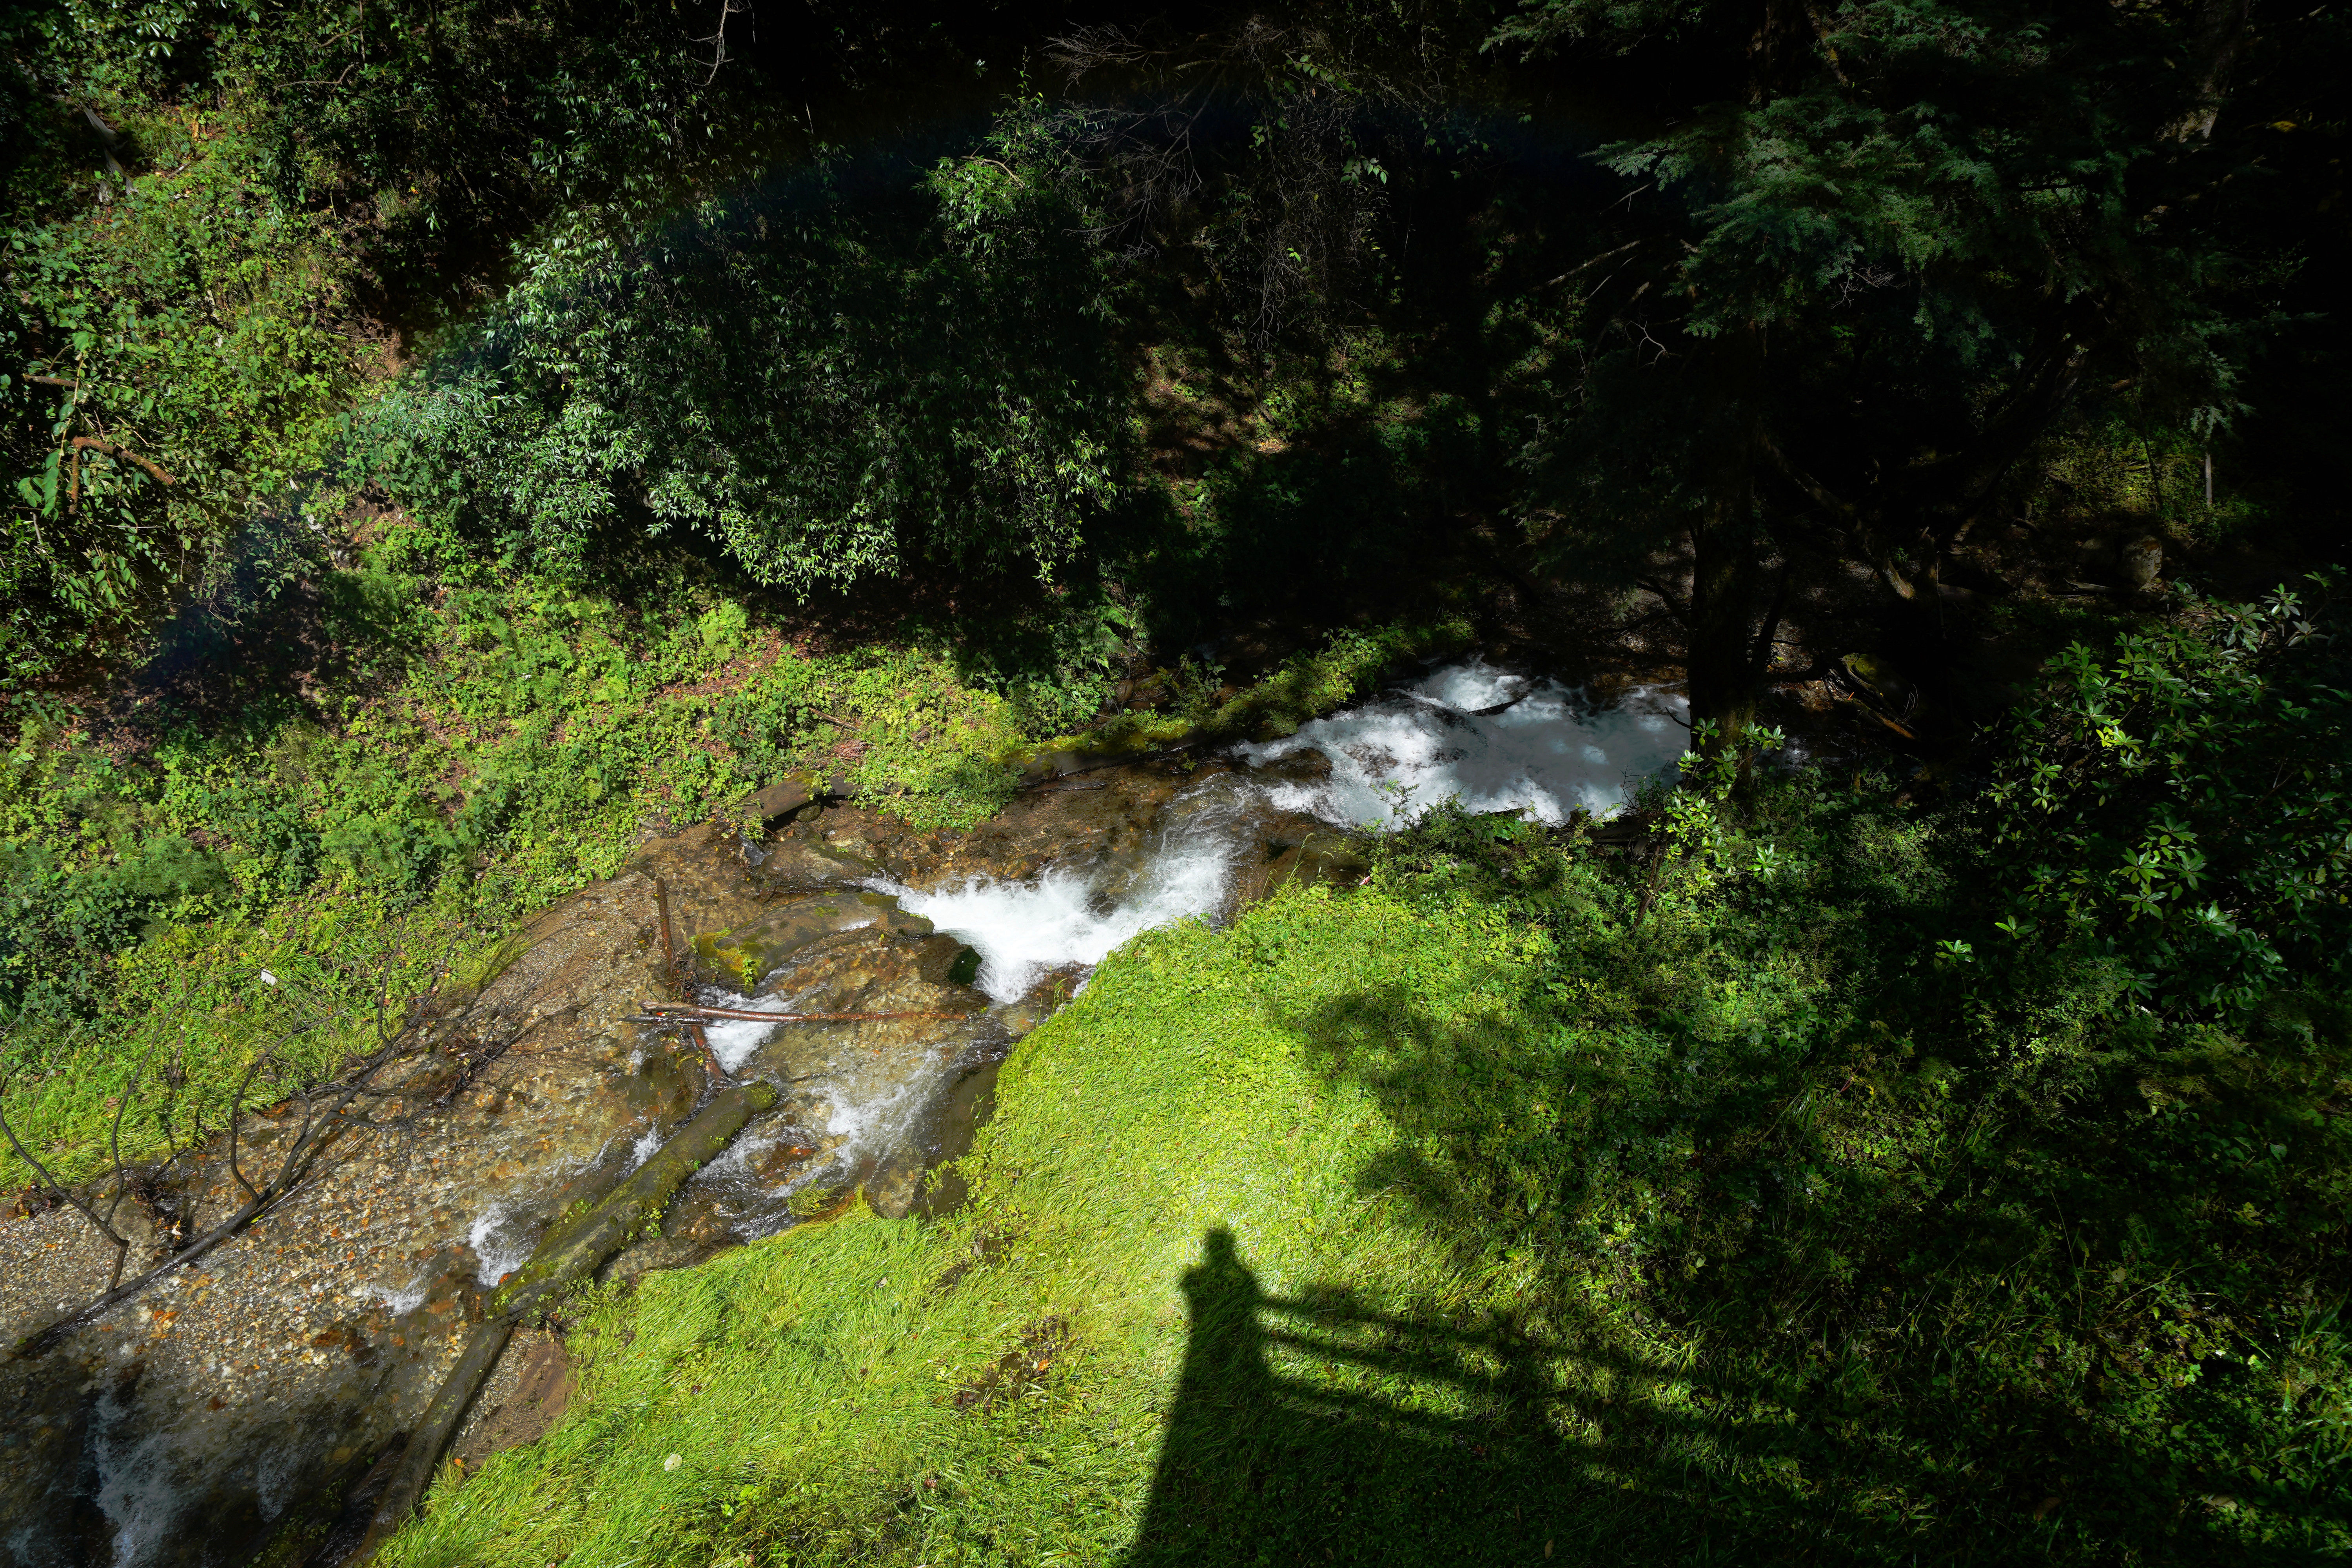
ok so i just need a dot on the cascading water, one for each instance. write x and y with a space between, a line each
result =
868 1102
1491 739
1073 918
1494 740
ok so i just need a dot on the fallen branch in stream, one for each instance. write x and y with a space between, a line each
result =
424 1052
574 1248
685 1012
674 978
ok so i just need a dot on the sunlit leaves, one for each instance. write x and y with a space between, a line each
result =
2182 798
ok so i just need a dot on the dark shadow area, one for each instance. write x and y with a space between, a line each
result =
1751 1350
1261 1465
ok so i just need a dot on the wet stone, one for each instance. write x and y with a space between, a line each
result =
238 1402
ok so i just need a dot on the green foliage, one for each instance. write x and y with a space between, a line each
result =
1262 521
173 363
1912 241
1694 823
1349 664
2183 803
434 120
1961 1183
831 378
200 197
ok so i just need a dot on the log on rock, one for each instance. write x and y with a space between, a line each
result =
575 1248
793 790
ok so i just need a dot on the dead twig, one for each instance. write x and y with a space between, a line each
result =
343 1105
116 449
689 1012
669 944
51 1187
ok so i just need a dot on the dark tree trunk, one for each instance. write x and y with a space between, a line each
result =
1727 545
1726 576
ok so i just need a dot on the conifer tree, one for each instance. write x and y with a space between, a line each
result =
1851 290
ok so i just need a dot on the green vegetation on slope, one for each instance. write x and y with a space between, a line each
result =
478 743
518 741
1532 1199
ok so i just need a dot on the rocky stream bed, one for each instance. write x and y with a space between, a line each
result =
250 1405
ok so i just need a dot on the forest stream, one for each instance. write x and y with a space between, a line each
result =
247 1398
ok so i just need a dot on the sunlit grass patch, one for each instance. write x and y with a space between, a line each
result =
1170 1149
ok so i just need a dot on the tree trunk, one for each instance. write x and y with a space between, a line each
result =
1725 572
1727 543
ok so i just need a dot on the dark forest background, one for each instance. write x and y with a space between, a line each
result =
447 441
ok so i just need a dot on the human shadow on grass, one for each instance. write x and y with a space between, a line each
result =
1314 1430
1626 1403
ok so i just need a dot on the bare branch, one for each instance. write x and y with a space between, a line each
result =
1676 605
326 1116
114 1154
50 1184
115 449
719 39
1587 266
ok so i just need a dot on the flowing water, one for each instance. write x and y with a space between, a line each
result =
1490 739
1493 739
1073 918
304 1349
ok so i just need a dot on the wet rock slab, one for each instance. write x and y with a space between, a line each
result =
238 1401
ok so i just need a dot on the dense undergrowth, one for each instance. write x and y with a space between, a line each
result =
1541 1201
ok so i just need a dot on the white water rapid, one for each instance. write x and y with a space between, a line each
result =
1023 931
1496 741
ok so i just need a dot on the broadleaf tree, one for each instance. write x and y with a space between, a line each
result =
831 378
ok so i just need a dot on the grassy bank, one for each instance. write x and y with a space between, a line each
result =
1521 1207
463 748
871 1388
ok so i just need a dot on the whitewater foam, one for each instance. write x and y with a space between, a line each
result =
1493 739
500 1243
733 1040
1025 931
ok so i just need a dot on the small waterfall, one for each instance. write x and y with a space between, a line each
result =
1494 740
1064 917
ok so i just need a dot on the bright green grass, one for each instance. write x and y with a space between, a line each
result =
1341 1356
1484 1211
